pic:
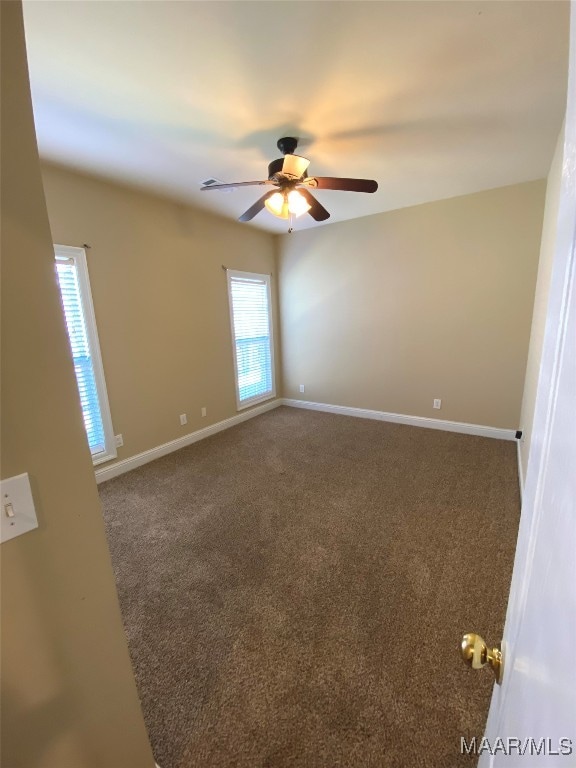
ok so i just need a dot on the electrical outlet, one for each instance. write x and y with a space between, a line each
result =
183 419
203 412
302 388
119 441
437 403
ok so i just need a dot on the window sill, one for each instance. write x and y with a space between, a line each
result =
255 400
100 458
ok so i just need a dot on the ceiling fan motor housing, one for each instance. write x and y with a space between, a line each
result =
291 167
288 168
275 167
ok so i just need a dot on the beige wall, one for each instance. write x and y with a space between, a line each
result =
160 300
68 694
541 301
391 311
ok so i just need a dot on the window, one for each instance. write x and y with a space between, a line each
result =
251 321
72 271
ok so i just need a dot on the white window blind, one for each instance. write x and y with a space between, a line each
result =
250 304
74 285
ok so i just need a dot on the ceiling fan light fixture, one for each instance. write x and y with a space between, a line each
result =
297 204
277 204
284 204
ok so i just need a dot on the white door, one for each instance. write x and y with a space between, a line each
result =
537 699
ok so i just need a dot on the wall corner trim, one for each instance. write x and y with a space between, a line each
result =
126 465
520 471
413 421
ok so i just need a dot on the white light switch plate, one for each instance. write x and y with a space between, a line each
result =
17 513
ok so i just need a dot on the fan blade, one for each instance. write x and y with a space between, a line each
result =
235 184
317 211
257 207
347 185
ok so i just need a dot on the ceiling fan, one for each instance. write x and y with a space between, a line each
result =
291 184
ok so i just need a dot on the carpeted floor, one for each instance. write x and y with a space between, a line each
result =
294 591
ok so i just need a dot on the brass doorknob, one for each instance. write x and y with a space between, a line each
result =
476 654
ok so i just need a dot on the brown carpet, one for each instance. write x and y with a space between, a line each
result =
294 591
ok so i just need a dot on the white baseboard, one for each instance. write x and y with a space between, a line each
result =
119 467
126 465
413 421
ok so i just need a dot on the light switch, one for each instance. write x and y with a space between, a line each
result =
17 512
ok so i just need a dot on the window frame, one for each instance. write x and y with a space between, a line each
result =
265 278
78 257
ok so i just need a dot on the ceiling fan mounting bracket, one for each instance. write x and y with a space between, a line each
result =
287 145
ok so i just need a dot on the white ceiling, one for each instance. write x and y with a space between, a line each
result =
431 99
